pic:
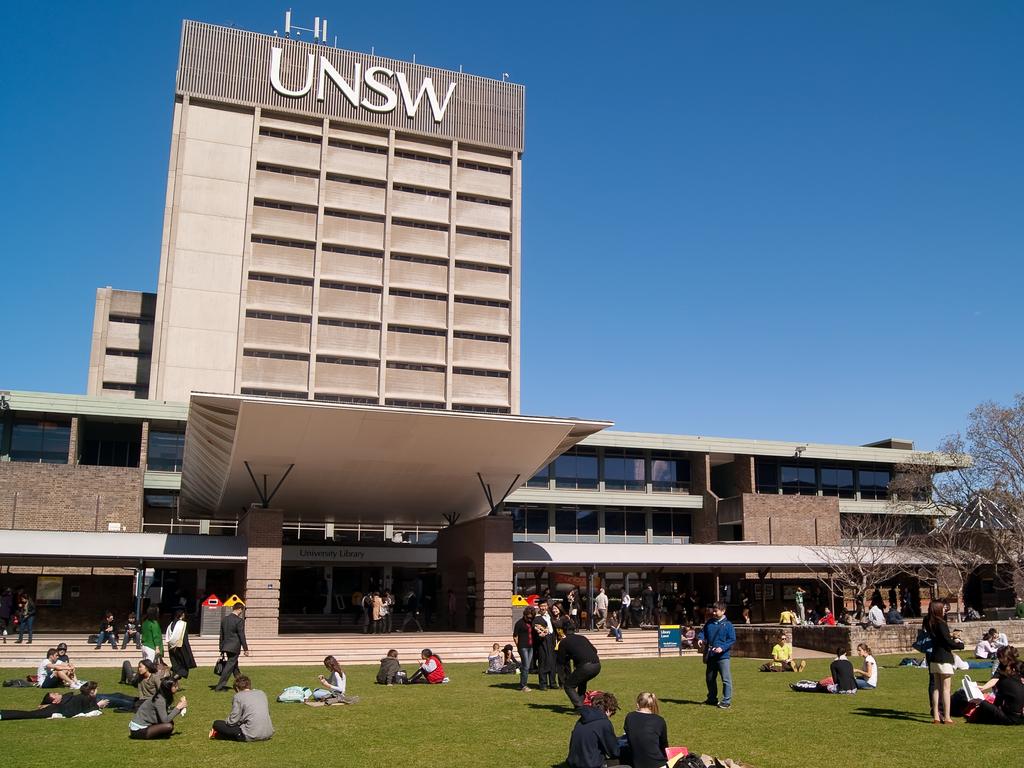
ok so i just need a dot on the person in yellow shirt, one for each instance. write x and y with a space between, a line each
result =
788 617
782 657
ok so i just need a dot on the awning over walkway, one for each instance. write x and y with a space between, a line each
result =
360 463
680 557
113 549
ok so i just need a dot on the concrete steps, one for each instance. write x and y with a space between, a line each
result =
310 649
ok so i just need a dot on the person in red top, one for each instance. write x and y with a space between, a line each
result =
430 671
828 619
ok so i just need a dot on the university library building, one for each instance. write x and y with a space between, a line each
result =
322 397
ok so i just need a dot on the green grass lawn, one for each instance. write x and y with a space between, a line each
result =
482 720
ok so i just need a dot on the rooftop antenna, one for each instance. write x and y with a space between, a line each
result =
319 30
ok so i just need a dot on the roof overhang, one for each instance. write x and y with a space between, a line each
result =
682 557
358 463
118 549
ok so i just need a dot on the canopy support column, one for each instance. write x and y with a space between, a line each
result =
261 528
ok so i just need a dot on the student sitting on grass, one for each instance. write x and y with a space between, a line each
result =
155 716
52 673
867 677
390 671
782 657
494 660
333 684
69 705
431 670
593 738
843 678
646 734
502 661
250 714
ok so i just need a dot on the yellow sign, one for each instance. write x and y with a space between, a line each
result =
231 601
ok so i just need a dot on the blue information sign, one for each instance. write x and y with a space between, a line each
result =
670 636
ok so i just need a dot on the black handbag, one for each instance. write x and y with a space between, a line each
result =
218 668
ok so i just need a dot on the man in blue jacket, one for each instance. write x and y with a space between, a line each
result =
715 640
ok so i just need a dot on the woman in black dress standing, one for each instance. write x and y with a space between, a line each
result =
941 659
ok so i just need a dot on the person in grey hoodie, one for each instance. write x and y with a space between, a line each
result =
250 715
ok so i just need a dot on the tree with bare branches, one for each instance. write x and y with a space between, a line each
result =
867 555
974 482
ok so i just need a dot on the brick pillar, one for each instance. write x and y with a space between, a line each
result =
482 547
262 531
73 441
705 521
144 446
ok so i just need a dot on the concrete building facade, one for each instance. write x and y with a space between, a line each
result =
314 249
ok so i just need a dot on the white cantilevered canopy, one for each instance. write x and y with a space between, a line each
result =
685 557
113 549
359 463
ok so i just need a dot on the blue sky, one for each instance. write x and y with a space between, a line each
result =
778 220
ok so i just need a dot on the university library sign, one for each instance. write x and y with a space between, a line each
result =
233 66
335 555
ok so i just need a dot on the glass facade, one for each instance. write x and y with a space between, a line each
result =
41 441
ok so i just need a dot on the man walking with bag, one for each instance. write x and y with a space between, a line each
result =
715 640
232 642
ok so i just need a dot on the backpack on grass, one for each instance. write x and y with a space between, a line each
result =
294 694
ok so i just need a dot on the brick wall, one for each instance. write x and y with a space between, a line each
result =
803 520
59 497
899 638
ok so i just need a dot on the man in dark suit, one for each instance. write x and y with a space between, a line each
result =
232 642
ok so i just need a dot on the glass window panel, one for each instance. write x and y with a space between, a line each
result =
576 468
624 470
669 473
38 440
661 523
539 480
807 477
565 520
537 520
636 524
586 522
767 473
518 515
614 522
166 451
682 524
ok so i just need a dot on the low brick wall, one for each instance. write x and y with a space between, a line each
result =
757 641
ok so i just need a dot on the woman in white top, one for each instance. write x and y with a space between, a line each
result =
867 677
334 683
986 648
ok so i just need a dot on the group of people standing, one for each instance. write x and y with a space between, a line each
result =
547 642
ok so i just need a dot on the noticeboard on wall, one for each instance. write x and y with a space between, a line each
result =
49 590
